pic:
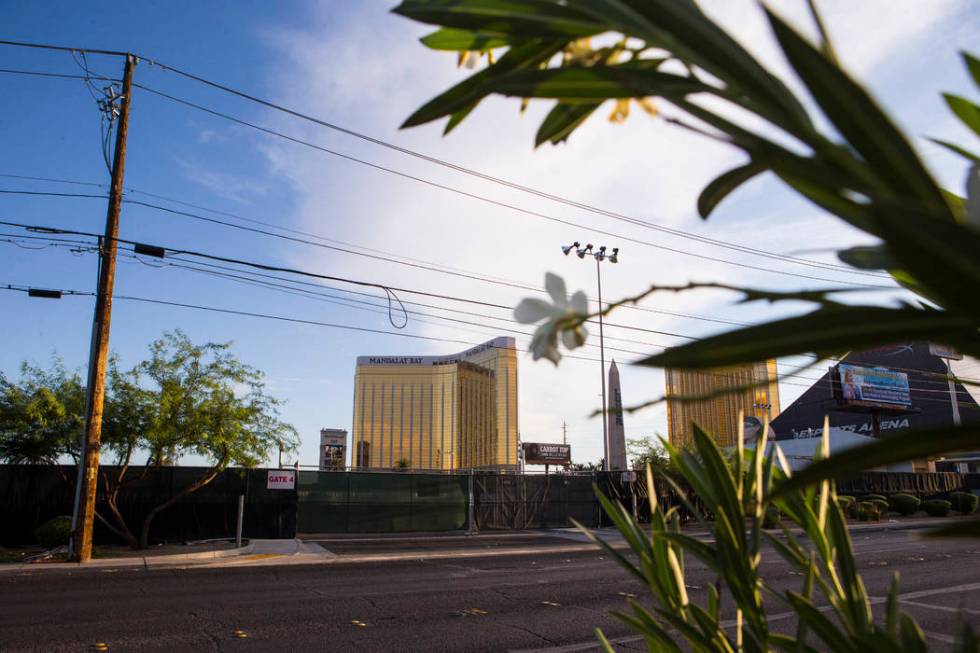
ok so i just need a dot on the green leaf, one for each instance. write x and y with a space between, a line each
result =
821 626
722 185
919 443
629 80
464 96
913 639
972 65
891 607
603 642
458 117
562 120
953 147
941 255
868 257
681 28
857 117
461 39
523 18
826 331
966 111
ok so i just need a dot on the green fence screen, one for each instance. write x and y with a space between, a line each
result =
381 502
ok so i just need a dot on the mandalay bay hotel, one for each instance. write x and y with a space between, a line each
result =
437 412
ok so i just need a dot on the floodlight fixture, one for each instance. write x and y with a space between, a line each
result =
565 249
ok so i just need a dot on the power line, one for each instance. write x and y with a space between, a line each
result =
268 316
264 266
496 180
506 205
387 256
504 182
429 267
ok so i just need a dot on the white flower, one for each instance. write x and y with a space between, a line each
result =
561 316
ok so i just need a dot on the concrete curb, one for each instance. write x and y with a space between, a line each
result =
297 552
136 561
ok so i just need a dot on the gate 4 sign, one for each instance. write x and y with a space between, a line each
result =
281 479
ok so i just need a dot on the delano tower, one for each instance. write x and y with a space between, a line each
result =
437 412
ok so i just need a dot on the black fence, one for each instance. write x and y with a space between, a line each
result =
369 502
923 485
32 494
516 501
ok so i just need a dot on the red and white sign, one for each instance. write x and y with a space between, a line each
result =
281 479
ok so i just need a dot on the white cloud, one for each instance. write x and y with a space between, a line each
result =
223 184
366 71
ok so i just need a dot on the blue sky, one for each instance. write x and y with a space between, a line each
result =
355 65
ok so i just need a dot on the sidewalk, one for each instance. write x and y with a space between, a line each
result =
366 548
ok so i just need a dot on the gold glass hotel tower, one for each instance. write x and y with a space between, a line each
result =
718 415
437 412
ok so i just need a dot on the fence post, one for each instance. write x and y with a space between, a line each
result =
241 514
469 506
595 497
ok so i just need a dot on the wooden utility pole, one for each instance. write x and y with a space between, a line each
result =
84 518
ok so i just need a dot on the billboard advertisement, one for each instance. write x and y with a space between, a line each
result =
872 386
539 453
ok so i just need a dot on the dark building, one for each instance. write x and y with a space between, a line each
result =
929 391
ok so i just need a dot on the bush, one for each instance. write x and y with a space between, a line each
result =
867 511
883 506
964 502
904 504
937 507
772 518
54 533
874 497
845 501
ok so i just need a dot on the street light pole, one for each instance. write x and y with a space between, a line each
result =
600 256
602 362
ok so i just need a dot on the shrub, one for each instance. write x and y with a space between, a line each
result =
54 532
873 497
882 504
867 511
937 507
845 501
964 502
904 504
772 517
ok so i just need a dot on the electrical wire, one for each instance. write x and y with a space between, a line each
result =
257 265
215 309
506 205
503 182
650 225
381 254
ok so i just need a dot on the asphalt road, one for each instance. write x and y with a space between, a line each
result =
493 603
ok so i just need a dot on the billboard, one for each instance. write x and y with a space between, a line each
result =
857 385
540 453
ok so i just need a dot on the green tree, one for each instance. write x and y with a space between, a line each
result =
589 466
644 451
189 399
862 169
185 399
42 415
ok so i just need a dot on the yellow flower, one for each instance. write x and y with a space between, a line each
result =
622 109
